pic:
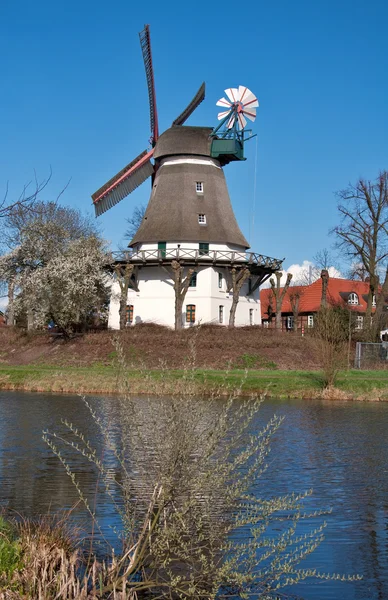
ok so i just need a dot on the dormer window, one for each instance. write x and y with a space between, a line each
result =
202 219
199 187
353 298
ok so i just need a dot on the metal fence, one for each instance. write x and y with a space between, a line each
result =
371 356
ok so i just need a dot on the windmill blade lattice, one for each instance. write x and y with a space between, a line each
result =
242 103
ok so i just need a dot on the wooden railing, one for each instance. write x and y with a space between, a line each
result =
203 256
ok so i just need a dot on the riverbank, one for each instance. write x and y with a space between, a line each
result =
351 385
162 361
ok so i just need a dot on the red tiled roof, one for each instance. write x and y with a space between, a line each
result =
310 299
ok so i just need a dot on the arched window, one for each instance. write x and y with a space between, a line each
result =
190 313
129 313
353 298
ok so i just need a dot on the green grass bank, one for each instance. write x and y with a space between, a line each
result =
99 379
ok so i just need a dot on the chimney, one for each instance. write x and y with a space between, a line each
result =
325 283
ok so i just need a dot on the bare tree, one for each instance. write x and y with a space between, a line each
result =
134 221
236 279
323 259
181 285
358 271
279 294
123 274
26 199
379 321
363 231
295 296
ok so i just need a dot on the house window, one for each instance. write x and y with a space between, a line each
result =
190 313
220 281
290 322
353 298
251 317
193 280
162 249
199 187
221 314
203 249
202 219
129 313
359 322
310 321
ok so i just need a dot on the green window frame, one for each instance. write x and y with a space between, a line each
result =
193 280
221 314
190 313
203 249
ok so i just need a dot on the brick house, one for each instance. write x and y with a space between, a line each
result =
340 292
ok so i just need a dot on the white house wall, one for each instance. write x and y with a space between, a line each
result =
155 301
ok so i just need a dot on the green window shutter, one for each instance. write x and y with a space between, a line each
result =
162 249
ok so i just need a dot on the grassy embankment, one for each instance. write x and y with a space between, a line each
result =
284 365
367 385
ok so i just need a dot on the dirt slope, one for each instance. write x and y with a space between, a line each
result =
208 346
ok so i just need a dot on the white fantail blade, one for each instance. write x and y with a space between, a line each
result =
254 103
232 94
250 113
247 98
222 115
231 121
243 93
241 121
223 102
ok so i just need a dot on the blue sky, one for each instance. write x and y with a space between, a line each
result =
74 96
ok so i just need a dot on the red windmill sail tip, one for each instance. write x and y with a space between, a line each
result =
145 42
123 183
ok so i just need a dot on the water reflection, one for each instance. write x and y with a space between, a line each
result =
338 449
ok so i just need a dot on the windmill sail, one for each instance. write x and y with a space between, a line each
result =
145 43
196 101
123 183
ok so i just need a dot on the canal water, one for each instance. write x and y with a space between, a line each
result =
339 449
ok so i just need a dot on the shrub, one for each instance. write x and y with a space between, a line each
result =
192 527
331 333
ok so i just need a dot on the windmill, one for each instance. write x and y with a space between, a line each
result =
189 228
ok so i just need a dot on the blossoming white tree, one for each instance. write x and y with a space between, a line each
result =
57 266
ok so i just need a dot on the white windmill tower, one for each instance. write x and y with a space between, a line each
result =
188 261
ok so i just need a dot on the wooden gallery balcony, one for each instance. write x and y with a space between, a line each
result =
258 264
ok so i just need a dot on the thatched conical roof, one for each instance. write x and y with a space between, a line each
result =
182 158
